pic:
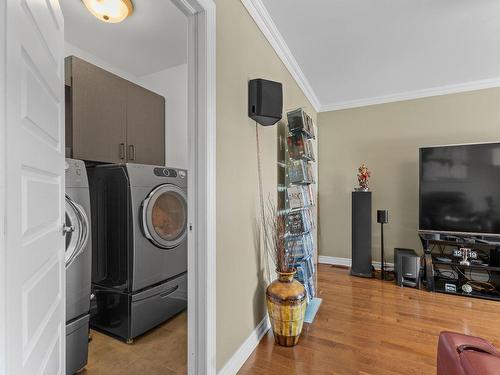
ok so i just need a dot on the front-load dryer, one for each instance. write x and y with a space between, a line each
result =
78 264
139 215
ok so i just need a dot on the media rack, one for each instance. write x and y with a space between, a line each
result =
445 273
297 197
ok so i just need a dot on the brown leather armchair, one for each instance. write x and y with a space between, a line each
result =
466 355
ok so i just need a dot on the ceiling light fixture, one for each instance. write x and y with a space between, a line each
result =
110 11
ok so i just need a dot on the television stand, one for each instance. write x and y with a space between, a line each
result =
447 270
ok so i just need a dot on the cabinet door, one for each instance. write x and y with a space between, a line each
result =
99 113
145 126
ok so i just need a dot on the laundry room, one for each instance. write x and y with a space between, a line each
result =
126 108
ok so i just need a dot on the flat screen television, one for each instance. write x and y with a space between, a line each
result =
460 189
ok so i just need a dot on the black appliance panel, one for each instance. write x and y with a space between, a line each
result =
111 228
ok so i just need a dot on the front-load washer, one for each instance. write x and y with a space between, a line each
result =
78 264
139 264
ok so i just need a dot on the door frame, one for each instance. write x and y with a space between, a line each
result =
201 189
202 195
3 290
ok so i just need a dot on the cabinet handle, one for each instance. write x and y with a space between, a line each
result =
131 152
122 151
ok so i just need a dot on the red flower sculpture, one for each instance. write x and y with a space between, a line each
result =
363 175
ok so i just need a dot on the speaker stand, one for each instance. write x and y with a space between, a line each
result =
384 276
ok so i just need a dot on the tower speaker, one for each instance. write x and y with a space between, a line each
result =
265 101
361 234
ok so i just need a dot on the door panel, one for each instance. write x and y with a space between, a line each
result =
99 113
145 126
34 190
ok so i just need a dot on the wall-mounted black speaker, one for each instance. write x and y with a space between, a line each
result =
382 216
265 101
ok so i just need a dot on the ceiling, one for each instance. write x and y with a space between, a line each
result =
153 38
359 52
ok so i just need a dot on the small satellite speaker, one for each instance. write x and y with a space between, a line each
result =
382 216
265 101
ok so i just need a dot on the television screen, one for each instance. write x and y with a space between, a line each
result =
460 188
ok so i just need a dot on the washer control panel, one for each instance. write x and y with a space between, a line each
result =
165 172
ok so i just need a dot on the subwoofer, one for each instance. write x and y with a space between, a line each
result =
407 267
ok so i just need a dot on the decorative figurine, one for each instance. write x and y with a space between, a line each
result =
363 175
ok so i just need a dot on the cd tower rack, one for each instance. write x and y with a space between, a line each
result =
297 197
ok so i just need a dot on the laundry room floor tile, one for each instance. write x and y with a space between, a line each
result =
161 351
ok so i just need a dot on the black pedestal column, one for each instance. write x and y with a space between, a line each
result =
361 234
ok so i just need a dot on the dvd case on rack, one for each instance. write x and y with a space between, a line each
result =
311 290
300 246
300 196
310 149
300 172
300 121
308 195
295 197
299 147
299 222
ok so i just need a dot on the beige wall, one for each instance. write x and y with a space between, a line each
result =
387 137
243 53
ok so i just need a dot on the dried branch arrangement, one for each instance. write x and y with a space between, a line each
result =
274 228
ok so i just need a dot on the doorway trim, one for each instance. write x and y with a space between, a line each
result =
201 189
202 196
3 281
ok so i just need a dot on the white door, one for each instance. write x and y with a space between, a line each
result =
34 188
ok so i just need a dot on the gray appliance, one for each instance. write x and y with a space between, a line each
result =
407 265
78 265
139 268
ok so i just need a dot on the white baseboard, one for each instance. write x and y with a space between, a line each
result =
234 363
334 261
346 262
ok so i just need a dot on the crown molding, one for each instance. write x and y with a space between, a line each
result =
266 24
417 94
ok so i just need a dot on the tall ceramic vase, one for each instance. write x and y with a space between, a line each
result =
286 306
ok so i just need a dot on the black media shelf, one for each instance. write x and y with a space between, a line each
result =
473 266
440 288
488 250
477 244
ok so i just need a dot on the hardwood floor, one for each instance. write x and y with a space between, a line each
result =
162 351
369 327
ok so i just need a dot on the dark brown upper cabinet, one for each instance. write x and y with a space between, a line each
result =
111 120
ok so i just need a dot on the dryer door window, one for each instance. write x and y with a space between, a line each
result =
165 216
76 230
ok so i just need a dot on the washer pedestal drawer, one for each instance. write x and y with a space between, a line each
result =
77 344
128 315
